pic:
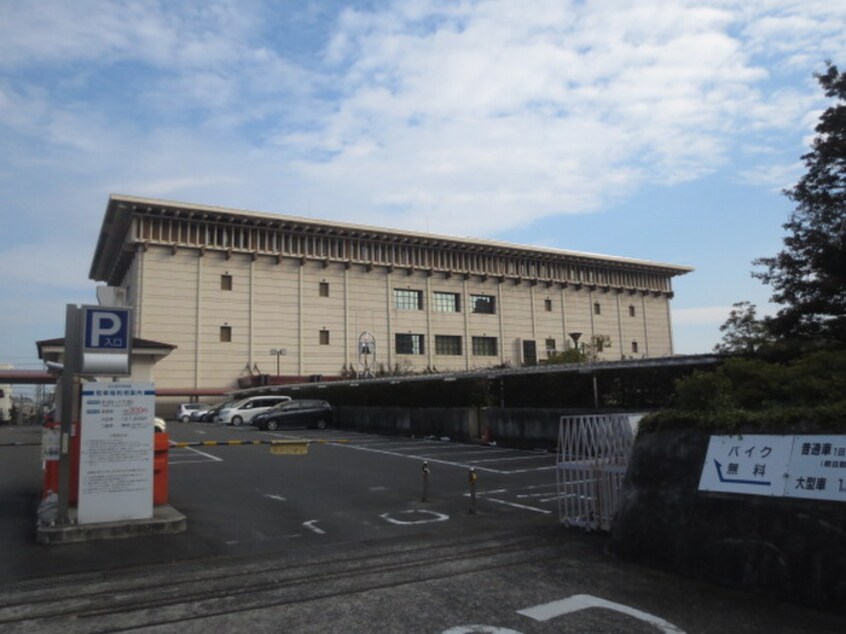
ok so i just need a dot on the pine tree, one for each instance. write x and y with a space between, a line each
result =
809 275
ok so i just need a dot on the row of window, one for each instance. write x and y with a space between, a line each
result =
446 345
442 302
411 299
407 343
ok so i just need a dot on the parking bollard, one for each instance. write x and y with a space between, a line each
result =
473 477
425 497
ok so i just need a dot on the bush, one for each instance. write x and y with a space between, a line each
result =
804 393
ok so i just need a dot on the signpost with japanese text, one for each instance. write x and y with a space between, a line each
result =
818 468
116 452
809 467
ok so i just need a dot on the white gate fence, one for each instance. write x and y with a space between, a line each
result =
593 454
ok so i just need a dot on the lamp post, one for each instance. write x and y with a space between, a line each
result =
575 337
279 352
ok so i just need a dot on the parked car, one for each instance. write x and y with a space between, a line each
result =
243 411
295 413
210 415
198 415
186 409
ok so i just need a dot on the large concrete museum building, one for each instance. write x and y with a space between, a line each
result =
243 293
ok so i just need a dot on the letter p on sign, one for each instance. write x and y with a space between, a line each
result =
107 329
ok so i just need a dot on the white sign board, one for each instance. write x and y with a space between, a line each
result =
752 464
811 467
818 468
116 452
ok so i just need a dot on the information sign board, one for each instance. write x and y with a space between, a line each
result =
116 452
809 467
818 468
754 464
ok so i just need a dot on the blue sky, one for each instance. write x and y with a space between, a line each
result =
659 130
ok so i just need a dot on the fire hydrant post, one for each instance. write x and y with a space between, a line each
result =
425 497
473 477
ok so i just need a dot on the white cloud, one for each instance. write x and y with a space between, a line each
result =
478 116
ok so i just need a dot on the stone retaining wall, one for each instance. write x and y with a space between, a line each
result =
794 550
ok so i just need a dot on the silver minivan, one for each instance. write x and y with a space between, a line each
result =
243 411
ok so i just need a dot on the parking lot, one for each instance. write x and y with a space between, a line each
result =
350 485
341 538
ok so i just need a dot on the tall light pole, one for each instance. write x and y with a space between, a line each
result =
279 352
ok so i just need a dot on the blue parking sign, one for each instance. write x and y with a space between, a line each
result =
107 329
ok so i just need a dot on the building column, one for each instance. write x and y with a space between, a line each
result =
347 317
197 318
389 344
300 334
645 324
430 339
468 348
500 310
620 326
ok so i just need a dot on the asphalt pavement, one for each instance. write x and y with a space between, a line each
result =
341 539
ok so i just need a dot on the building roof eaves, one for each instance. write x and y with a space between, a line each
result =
440 240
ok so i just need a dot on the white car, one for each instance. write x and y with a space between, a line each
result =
186 409
243 411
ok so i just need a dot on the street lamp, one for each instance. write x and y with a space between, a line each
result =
575 337
279 352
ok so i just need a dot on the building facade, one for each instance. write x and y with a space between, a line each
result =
242 293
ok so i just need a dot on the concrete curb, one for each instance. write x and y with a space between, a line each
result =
165 521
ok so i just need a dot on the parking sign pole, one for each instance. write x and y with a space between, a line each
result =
68 405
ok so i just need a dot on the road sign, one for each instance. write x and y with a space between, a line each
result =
106 341
810 467
752 464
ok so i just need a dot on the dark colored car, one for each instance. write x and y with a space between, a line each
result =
210 414
303 413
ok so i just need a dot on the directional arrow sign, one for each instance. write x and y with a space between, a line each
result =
752 464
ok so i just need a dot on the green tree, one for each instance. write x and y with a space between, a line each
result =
743 332
809 275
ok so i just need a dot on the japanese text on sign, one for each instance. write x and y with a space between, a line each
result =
812 467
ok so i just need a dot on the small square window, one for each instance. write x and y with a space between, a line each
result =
484 304
634 347
324 289
547 305
408 299
597 308
631 310
447 345
226 282
446 302
409 343
324 337
550 346
484 346
226 334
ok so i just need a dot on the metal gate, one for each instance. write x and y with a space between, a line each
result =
593 454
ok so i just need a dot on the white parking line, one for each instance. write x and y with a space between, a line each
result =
422 456
503 459
196 451
512 504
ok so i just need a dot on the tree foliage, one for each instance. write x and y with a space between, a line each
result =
809 275
743 332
